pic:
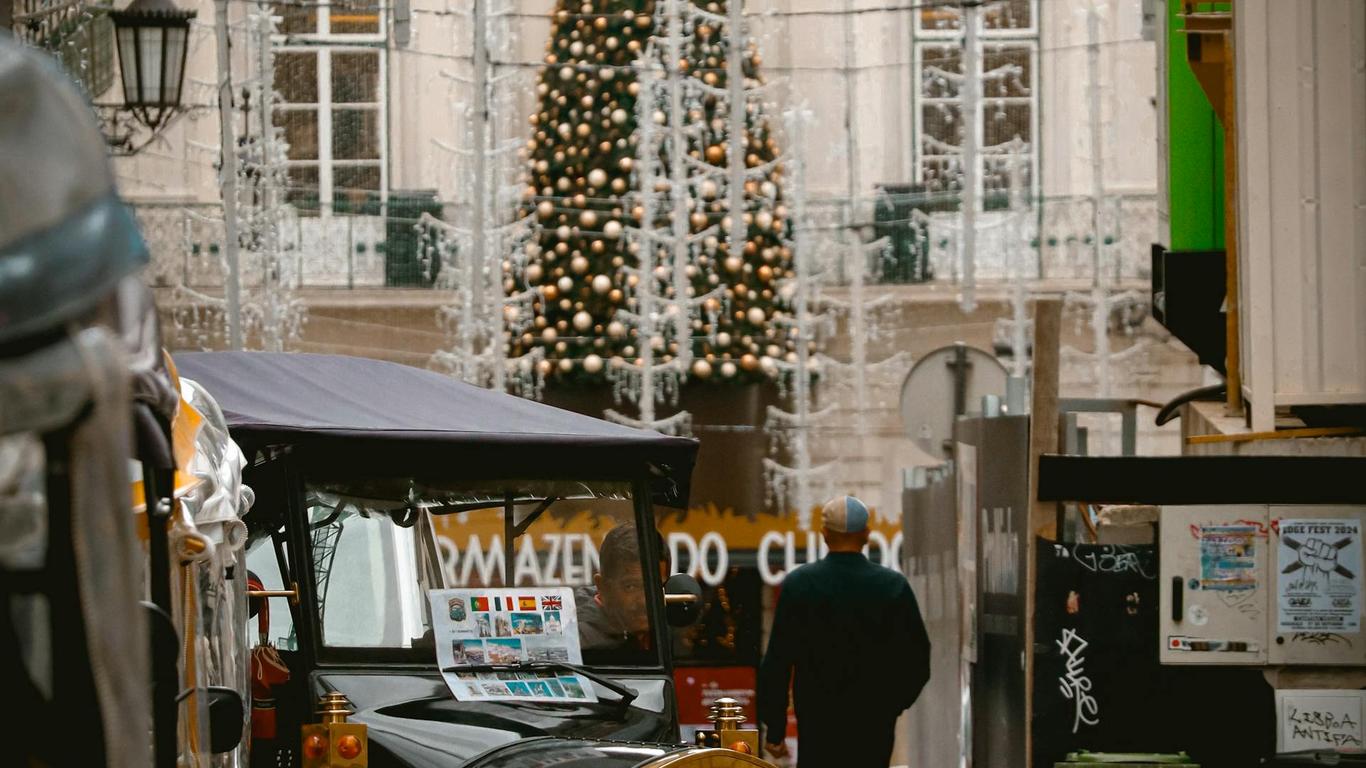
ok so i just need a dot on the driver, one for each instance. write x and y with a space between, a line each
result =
612 614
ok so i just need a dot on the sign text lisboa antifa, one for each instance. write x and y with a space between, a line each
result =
570 557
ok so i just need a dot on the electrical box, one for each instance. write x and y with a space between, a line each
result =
1213 564
1316 578
1262 585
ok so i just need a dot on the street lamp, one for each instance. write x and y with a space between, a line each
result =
153 38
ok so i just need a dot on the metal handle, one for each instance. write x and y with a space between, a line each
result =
681 598
292 594
1178 598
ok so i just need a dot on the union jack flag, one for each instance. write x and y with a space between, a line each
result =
551 603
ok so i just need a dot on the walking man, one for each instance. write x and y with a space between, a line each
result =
852 632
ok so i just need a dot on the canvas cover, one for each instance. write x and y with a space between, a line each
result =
339 407
66 405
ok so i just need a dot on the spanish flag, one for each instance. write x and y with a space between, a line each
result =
526 603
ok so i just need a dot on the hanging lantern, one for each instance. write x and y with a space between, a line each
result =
153 38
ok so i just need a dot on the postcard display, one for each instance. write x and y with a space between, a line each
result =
508 627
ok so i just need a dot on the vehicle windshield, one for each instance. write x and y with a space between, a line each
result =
380 544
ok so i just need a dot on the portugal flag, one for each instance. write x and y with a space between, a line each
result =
480 603
526 603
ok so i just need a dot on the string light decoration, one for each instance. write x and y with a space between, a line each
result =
583 159
476 258
272 314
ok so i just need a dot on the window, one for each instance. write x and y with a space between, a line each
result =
380 544
263 561
329 73
1007 111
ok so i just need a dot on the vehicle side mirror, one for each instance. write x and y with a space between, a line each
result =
682 600
227 719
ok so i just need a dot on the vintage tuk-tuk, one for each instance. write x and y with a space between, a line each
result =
395 506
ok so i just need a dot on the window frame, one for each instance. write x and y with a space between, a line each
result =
1022 38
333 656
324 45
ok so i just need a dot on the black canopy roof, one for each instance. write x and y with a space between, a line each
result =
358 410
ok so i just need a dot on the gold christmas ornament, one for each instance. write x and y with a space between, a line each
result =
716 154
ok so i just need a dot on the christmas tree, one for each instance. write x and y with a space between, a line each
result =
592 245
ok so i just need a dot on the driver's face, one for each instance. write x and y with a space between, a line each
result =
623 597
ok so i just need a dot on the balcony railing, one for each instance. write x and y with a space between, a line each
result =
371 251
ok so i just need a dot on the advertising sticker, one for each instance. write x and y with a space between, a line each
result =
478 628
1228 557
1318 568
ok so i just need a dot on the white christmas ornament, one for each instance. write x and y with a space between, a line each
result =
727 369
615 329
723 339
582 322
566 364
534 273
612 229
701 368
597 177
601 284
592 364
755 315
578 265
565 284
562 232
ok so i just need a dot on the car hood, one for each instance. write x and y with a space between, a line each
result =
413 721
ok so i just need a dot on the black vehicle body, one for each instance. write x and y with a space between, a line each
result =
293 414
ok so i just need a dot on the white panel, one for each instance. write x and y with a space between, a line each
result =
1284 115
1214 570
1255 208
1302 182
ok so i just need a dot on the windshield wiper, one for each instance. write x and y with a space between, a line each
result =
626 695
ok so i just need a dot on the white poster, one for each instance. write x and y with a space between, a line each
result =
478 628
1319 575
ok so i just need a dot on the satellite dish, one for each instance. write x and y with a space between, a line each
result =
932 396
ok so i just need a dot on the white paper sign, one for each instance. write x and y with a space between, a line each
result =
1319 720
1319 575
508 627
